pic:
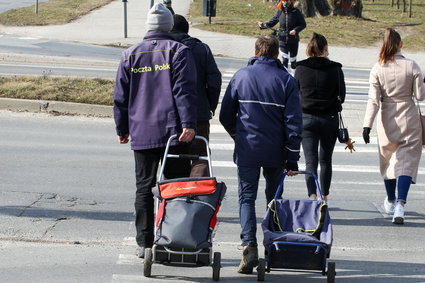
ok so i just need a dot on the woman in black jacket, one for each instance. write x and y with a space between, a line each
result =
322 90
291 22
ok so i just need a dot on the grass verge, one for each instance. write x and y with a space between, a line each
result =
240 17
52 12
80 90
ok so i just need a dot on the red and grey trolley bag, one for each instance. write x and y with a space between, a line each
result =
297 235
186 215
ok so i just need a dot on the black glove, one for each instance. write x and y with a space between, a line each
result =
291 166
366 137
263 26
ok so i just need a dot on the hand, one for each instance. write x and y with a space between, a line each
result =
187 135
366 137
123 139
293 32
290 167
261 25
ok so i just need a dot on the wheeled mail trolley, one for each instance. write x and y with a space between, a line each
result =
186 215
297 235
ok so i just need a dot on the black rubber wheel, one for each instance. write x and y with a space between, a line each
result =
261 269
331 273
147 263
216 266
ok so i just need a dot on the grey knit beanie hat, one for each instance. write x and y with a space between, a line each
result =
159 18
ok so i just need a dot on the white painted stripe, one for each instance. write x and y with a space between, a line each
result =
362 82
349 168
338 149
129 241
342 248
217 129
129 259
127 278
262 102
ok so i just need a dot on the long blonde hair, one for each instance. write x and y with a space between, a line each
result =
390 46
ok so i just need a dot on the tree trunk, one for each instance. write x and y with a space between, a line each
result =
352 8
314 8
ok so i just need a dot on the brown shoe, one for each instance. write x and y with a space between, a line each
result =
249 260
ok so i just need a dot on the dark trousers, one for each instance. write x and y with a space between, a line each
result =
248 178
200 167
291 48
146 167
319 137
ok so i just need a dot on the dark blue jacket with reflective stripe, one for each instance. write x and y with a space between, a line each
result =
261 111
155 91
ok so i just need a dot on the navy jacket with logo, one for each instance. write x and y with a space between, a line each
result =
155 91
261 111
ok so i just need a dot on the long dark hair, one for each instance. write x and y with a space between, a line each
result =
316 45
390 46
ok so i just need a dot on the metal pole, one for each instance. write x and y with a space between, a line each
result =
410 9
36 6
125 19
209 11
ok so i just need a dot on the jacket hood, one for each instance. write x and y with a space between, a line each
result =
318 63
184 38
266 60
158 34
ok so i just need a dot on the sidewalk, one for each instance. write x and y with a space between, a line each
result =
105 26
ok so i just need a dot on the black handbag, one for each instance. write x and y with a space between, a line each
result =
343 135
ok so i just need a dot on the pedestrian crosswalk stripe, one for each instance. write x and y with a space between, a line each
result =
335 167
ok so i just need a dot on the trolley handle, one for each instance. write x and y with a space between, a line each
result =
279 191
185 156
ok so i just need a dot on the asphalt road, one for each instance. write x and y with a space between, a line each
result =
66 205
6 5
67 191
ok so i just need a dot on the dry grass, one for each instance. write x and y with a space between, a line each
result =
52 12
80 90
240 17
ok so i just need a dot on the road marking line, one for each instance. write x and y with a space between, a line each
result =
127 278
129 259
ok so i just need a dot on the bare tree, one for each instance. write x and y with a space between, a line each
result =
314 8
352 8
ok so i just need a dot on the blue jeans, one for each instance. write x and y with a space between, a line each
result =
403 188
248 178
319 137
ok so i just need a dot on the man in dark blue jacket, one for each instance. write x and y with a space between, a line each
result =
261 111
208 87
154 98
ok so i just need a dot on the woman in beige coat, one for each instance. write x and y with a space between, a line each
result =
394 81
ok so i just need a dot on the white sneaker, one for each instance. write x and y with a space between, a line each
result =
389 206
398 217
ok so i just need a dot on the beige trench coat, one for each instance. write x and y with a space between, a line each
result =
392 88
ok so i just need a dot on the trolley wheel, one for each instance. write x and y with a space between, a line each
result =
147 263
261 269
216 266
330 274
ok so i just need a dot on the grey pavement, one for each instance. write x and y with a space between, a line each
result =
106 26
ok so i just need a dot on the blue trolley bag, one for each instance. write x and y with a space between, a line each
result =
297 233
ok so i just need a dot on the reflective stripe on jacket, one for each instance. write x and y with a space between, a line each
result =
261 111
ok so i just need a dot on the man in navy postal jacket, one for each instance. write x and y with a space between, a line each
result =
154 98
261 111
